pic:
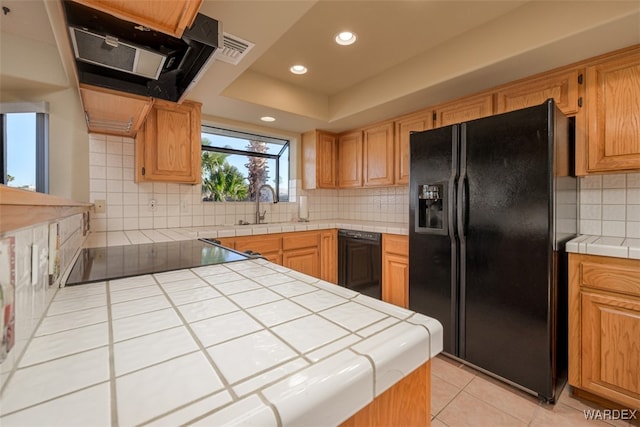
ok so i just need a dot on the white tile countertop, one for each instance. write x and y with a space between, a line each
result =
247 342
117 238
619 247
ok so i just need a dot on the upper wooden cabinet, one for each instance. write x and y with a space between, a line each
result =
404 127
350 160
563 87
319 160
167 16
378 155
465 109
112 112
613 113
168 146
604 327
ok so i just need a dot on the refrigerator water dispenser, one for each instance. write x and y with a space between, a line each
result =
431 216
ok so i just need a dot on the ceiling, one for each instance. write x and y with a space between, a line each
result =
409 54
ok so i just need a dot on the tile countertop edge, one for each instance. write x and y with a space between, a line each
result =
126 237
617 247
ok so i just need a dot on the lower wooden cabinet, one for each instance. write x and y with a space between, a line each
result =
329 255
310 252
301 252
395 269
406 403
269 246
604 327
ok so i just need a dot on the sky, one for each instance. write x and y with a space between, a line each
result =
21 148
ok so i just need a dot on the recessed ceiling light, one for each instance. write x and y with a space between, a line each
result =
298 69
346 38
268 119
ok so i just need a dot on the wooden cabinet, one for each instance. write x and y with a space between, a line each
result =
465 109
613 113
604 327
350 160
378 155
168 146
167 16
329 255
404 127
310 252
228 242
269 246
406 403
112 112
563 87
319 160
395 269
301 252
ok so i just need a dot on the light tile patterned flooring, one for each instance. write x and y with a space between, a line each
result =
462 396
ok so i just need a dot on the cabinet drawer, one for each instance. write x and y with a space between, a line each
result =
616 275
395 244
300 240
260 244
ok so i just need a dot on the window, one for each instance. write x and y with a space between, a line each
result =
24 159
235 165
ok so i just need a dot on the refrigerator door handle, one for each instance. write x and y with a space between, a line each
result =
463 185
451 216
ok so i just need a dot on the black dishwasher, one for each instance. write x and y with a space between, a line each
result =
360 262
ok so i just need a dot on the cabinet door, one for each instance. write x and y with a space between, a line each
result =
112 112
168 149
404 127
305 260
471 108
378 156
610 347
350 160
319 160
563 87
613 113
395 269
326 160
170 17
329 256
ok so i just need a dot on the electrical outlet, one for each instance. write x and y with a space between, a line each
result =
152 204
100 206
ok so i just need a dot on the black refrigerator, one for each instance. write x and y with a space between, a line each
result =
492 204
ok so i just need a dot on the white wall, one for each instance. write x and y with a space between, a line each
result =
32 72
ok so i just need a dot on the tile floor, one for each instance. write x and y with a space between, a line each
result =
462 396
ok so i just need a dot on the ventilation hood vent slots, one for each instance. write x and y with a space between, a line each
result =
109 52
121 55
233 49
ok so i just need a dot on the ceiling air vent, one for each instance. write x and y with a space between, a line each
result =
233 49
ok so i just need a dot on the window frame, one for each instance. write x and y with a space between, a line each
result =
215 130
41 110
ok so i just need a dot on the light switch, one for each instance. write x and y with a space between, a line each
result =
100 206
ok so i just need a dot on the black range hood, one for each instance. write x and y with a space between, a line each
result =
116 54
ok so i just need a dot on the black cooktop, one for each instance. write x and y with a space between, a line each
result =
115 262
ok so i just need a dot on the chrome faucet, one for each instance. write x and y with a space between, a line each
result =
260 217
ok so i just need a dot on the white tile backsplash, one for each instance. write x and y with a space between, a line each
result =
610 205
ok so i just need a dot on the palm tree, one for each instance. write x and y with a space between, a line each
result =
220 180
